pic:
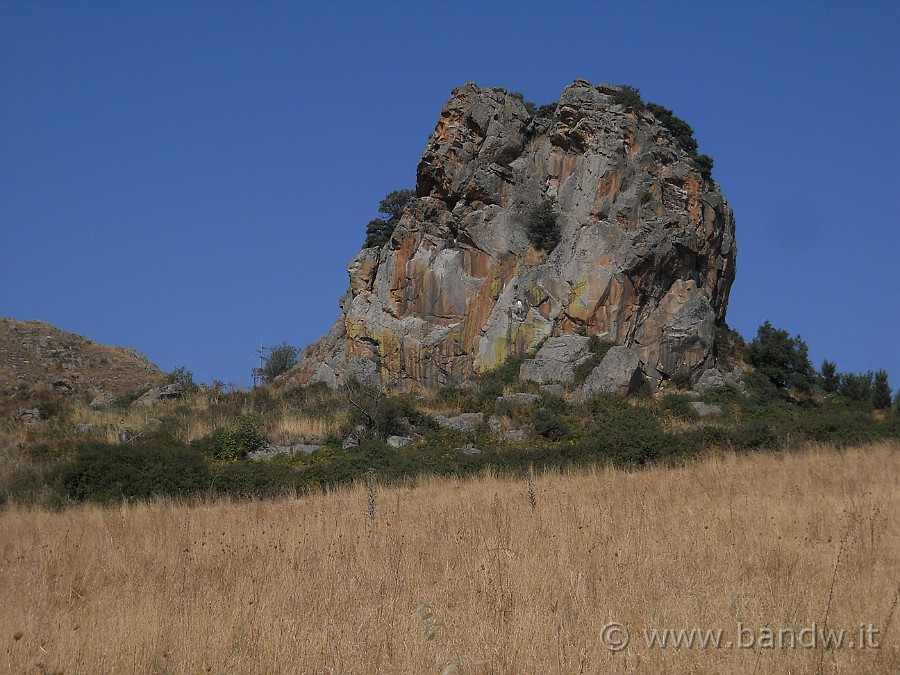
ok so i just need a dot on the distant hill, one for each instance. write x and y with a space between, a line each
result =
37 356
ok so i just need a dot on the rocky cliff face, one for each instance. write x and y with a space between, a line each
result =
646 257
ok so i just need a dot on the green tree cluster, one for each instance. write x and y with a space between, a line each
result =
280 360
543 226
782 359
379 230
871 387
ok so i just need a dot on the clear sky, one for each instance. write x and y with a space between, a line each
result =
190 179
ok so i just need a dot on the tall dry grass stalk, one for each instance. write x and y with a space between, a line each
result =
313 585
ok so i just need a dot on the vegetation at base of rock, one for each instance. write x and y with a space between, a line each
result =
543 226
598 348
605 429
379 230
182 376
280 360
235 441
782 359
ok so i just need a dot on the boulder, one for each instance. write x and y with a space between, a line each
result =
469 449
555 361
270 451
519 399
462 422
398 441
157 394
704 410
709 380
102 400
618 373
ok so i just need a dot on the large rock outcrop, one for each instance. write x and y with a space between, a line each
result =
646 256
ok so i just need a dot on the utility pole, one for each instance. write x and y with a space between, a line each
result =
258 372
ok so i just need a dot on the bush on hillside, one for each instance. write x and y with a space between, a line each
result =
782 359
543 226
281 359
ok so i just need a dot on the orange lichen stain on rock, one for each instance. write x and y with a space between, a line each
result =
608 187
631 142
476 263
446 128
694 189
401 272
390 356
562 163
483 301
603 303
627 221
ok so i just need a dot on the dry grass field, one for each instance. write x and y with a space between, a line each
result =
487 575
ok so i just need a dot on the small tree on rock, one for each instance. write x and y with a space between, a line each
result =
281 359
379 230
543 226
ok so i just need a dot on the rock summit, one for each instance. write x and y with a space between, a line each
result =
644 253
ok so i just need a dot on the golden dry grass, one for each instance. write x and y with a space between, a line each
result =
313 585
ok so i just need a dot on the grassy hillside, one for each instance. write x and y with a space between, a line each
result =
493 574
197 445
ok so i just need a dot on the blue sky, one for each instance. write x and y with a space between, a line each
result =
190 179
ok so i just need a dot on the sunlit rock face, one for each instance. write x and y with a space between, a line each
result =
646 256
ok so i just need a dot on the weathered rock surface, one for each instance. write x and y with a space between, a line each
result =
555 361
618 373
399 441
461 422
646 257
158 394
519 398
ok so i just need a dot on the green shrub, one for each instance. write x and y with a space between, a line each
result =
547 110
543 226
390 417
857 388
629 97
184 377
109 473
551 425
235 441
830 377
281 359
677 405
681 380
379 230
704 164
